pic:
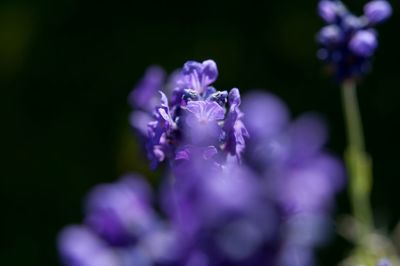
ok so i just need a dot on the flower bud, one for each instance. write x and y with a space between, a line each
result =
363 43
377 11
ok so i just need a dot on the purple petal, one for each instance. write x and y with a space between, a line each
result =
205 112
145 92
209 152
198 76
234 97
210 72
79 246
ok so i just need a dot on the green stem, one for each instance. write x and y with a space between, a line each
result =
358 162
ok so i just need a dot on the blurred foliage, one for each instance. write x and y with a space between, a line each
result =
66 68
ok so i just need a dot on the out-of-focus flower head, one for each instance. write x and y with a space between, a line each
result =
121 228
384 262
298 174
145 96
194 117
120 212
273 209
348 42
79 246
224 215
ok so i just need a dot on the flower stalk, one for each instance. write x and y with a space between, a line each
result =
358 162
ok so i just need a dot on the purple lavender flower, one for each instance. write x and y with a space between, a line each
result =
79 246
377 11
121 229
300 177
384 262
145 96
272 209
196 115
223 212
363 43
327 10
120 212
198 76
348 42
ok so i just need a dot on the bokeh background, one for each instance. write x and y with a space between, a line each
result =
67 66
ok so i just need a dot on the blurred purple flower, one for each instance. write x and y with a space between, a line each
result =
377 11
348 42
120 212
79 246
298 174
271 209
145 96
327 10
363 43
384 262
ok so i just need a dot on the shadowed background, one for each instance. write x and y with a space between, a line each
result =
66 68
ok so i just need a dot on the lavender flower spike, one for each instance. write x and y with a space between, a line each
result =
197 119
348 42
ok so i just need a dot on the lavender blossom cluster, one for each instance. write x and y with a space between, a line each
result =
348 42
271 207
196 119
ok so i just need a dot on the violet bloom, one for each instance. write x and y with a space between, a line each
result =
363 43
348 42
198 76
298 174
384 262
377 11
223 215
120 212
79 246
145 96
272 209
121 229
196 117
220 216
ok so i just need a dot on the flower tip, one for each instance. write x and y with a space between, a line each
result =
363 43
210 70
377 11
234 96
327 10
330 35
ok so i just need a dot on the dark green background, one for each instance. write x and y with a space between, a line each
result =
66 68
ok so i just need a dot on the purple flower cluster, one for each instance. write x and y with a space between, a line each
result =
121 228
270 209
300 177
195 118
348 42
